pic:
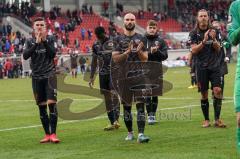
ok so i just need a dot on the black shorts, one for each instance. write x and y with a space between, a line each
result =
45 89
73 66
105 83
204 76
131 91
83 67
129 96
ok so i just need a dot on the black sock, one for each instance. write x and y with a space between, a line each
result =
116 107
149 106
222 85
116 112
109 107
140 117
111 116
154 105
44 118
205 108
53 117
217 105
127 117
192 80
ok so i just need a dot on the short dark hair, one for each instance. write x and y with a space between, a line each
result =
39 19
99 30
152 23
202 10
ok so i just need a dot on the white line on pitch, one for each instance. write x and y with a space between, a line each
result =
98 99
23 100
63 122
99 117
197 105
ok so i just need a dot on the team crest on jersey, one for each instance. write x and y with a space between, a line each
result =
124 44
24 46
156 43
137 41
110 44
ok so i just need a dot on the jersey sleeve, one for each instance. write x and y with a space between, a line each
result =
28 49
144 41
116 44
94 50
192 38
94 61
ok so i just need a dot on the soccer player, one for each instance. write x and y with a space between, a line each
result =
206 48
42 52
157 51
131 49
234 36
102 58
224 55
73 59
82 62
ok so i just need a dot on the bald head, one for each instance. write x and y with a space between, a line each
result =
129 22
129 15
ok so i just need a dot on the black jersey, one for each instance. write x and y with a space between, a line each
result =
122 43
73 59
102 53
156 41
42 57
224 53
207 57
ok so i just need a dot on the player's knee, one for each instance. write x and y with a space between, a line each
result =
49 102
127 112
217 91
53 110
204 95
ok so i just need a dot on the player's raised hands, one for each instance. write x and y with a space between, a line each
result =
140 46
38 37
206 36
154 49
130 47
43 36
212 34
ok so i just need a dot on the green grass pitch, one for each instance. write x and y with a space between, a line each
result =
172 138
